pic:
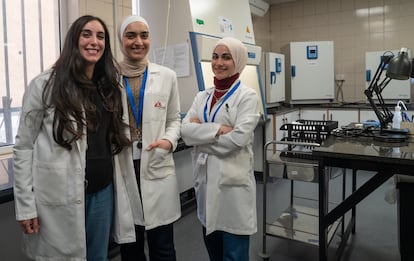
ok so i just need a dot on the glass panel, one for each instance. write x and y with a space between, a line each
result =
29 38
249 77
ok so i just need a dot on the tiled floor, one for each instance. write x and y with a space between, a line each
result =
376 235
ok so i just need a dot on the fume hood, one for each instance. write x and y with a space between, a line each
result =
198 24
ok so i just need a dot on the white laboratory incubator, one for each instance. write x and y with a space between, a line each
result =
272 70
396 89
309 72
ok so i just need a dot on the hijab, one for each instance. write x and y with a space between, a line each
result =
238 52
131 68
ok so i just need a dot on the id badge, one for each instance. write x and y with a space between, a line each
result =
136 150
202 158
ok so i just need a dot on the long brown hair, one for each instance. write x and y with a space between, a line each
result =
69 91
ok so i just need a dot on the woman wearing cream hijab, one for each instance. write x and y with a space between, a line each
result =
154 116
220 126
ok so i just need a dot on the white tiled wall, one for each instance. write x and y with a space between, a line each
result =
355 26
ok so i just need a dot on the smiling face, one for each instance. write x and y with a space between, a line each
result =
222 62
92 44
135 41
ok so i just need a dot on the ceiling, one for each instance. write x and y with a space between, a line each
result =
271 2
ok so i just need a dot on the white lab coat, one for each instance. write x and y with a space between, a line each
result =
49 184
225 185
160 120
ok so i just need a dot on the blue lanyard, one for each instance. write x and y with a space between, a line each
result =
137 113
228 94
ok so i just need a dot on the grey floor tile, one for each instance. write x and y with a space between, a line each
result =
376 235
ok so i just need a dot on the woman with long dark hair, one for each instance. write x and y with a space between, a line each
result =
72 173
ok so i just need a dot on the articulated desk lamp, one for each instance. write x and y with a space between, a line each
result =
398 67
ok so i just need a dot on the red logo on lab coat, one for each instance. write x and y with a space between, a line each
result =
158 104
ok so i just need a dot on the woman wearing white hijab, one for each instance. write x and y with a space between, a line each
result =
220 126
154 116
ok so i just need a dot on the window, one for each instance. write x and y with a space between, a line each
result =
30 44
30 37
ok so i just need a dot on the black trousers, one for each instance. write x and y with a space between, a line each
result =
160 245
224 246
160 240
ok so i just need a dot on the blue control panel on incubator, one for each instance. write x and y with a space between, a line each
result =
312 52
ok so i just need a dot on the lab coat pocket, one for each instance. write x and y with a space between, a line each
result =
199 170
158 105
50 183
234 170
228 115
161 164
232 116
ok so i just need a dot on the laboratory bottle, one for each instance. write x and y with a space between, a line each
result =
397 118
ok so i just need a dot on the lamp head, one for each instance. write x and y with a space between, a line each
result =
399 67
